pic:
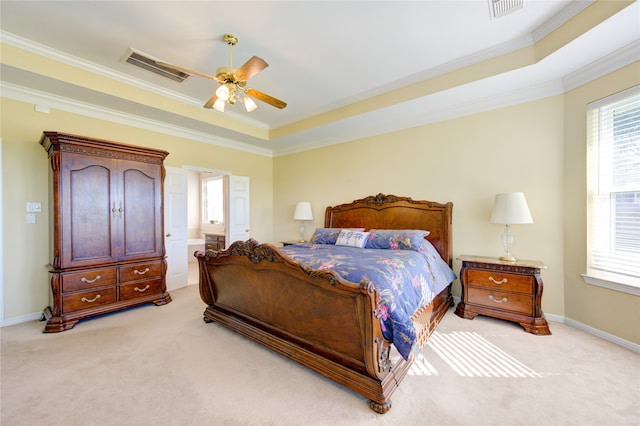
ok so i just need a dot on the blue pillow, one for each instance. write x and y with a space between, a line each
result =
328 235
396 239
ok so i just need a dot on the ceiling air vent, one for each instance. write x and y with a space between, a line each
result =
149 63
500 8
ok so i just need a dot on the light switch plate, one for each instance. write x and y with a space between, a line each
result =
34 207
31 218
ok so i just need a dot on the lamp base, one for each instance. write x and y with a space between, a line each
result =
507 258
301 229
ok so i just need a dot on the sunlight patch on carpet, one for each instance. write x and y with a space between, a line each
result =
469 354
422 367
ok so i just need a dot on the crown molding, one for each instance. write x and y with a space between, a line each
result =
23 94
425 116
65 58
603 66
560 19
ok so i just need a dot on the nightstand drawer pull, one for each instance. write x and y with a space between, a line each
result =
84 299
135 271
84 280
142 290
493 299
493 280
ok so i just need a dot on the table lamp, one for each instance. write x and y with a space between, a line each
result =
508 209
303 212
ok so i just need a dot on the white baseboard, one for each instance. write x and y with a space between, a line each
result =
36 316
594 331
588 329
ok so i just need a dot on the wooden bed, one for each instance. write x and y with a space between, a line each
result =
257 291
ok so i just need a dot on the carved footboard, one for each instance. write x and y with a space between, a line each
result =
313 317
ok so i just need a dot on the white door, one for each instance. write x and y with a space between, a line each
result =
175 227
239 212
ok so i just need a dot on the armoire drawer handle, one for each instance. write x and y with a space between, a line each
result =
141 290
493 280
84 299
84 280
135 271
493 299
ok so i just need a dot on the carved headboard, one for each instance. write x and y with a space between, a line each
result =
393 212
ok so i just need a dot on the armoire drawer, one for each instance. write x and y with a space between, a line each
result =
88 299
140 271
74 281
140 288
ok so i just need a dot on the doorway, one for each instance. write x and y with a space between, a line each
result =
184 213
207 200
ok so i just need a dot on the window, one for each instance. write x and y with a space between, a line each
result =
613 135
213 199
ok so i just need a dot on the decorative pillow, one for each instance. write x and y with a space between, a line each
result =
396 239
328 235
352 238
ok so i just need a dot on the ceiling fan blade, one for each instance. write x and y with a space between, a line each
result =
188 71
212 100
266 98
250 68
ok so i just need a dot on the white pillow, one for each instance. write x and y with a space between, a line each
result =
352 238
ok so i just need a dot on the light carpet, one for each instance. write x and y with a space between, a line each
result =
162 365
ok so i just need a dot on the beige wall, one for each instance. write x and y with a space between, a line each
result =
25 172
535 147
607 310
467 161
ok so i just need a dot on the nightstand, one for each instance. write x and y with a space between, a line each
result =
508 290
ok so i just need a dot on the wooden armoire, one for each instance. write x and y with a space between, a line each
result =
107 245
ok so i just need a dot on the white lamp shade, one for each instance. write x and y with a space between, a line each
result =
303 211
223 92
219 105
249 104
511 208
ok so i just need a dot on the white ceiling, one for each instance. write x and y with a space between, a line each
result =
322 55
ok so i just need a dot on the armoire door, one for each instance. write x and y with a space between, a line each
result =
139 206
85 210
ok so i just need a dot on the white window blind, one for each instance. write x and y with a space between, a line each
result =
614 185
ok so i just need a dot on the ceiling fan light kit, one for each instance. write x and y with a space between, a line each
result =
233 81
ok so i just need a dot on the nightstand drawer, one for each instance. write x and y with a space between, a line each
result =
501 281
501 300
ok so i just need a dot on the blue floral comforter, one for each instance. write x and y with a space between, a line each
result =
405 280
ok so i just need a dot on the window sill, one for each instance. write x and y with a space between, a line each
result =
613 282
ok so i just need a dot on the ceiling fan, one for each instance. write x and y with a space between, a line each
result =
233 82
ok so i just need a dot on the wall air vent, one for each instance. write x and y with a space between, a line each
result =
499 8
149 63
